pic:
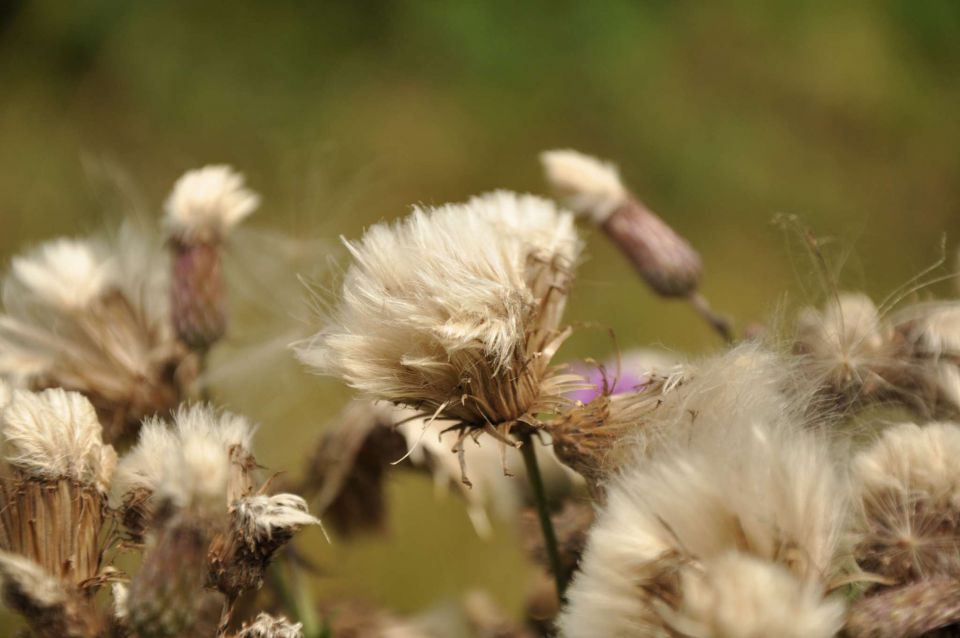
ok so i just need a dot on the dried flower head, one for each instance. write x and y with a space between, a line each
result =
767 490
55 434
267 626
57 472
590 186
91 316
590 438
907 486
206 203
456 311
846 345
202 460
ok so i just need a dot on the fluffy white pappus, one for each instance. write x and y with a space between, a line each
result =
231 431
932 328
439 303
911 460
23 579
121 596
746 384
267 626
55 434
767 489
67 274
845 342
206 203
189 462
589 186
738 596
261 517
6 393
118 350
907 486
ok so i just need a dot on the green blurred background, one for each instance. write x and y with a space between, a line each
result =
343 114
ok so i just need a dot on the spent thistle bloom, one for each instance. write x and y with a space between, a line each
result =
758 496
907 488
187 489
456 312
56 471
90 315
204 206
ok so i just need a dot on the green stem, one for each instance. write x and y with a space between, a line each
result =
543 510
295 596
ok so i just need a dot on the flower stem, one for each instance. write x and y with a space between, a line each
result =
543 510
295 596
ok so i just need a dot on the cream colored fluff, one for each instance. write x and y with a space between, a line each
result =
764 488
188 462
67 274
55 434
738 596
206 203
907 486
589 186
451 301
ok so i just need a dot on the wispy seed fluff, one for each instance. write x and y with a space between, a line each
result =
846 344
683 535
200 460
907 486
589 186
92 316
55 434
206 203
260 518
267 626
66 273
456 310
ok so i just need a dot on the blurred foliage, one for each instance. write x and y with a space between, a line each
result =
344 113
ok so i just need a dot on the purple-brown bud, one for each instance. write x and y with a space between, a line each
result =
663 258
198 303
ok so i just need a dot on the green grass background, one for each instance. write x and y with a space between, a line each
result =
343 114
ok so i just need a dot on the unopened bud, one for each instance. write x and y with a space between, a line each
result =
663 258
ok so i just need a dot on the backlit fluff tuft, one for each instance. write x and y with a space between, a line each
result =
66 274
749 383
206 203
259 518
765 489
589 186
267 626
456 310
192 462
908 490
116 347
55 434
